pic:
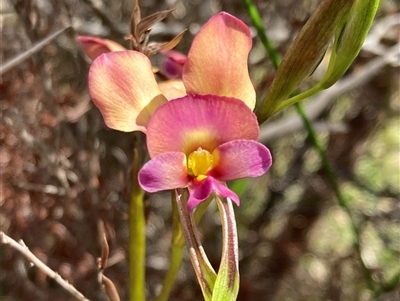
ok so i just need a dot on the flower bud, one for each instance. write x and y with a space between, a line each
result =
349 39
304 54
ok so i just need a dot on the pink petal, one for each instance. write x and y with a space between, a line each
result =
193 121
123 87
172 89
240 159
173 63
199 191
164 172
217 60
93 47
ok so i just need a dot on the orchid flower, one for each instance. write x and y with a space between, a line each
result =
198 137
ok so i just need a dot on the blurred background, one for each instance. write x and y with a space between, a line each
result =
62 169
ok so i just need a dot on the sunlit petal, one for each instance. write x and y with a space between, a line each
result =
123 87
217 60
172 89
193 121
241 159
199 191
164 172
93 47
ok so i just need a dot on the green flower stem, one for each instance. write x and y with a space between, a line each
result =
137 237
258 24
174 266
254 15
178 242
389 286
333 181
296 98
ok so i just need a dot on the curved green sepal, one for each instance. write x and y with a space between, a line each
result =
201 265
226 286
178 243
349 39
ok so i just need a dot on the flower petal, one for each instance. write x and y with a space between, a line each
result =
199 191
93 47
123 87
193 121
217 60
240 159
164 172
172 89
173 63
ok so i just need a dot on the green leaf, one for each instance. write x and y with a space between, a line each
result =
304 54
349 37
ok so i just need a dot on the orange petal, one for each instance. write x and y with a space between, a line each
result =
172 89
217 60
93 47
123 87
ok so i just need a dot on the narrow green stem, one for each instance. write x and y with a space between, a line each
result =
390 285
333 181
252 10
175 264
299 97
137 237
254 15
178 242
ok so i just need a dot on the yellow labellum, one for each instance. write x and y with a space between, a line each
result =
200 162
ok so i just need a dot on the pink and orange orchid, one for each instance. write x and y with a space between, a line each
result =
201 131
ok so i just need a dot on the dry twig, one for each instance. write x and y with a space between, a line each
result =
28 53
107 283
20 247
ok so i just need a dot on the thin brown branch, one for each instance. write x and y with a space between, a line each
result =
20 247
105 249
110 288
28 53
